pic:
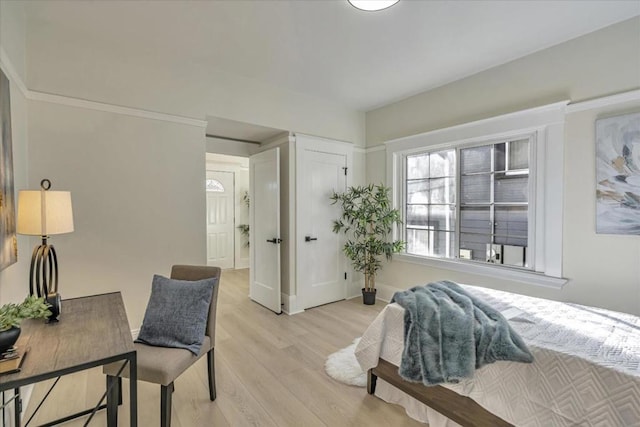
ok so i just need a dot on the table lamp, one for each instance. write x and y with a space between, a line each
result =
45 213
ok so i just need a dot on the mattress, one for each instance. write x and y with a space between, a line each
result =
586 369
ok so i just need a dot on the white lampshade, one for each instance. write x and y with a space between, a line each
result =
58 218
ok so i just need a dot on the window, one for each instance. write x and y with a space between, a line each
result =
488 222
484 197
214 185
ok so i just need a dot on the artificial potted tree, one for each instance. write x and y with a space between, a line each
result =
12 314
368 220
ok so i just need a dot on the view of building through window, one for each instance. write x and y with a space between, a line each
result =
469 203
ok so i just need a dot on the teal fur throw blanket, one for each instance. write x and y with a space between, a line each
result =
449 333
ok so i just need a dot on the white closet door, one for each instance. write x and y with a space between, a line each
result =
321 263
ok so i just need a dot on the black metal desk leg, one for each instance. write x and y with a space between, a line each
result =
17 407
133 389
112 400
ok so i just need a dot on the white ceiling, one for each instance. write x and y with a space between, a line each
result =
328 49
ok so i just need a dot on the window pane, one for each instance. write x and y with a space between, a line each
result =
417 215
477 159
442 217
475 189
442 164
511 188
443 190
475 220
418 166
511 225
418 241
519 154
428 242
418 191
476 243
443 244
500 152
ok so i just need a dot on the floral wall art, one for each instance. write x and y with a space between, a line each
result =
618 174
8 242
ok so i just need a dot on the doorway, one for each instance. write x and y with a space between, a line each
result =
220 219
227 211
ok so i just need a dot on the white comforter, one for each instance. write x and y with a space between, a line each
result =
586 369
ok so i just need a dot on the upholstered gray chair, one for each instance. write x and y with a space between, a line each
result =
162 365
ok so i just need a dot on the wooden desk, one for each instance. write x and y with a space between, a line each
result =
92 331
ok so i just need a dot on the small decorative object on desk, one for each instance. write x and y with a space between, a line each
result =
11 360
12 314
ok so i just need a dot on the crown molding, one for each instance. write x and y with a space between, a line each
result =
376 148
111 108
605 101
12 74
34 95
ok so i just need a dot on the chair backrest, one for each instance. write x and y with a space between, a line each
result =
199 272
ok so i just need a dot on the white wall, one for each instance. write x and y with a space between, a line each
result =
137 191
602 270
65 62
600 63
14 280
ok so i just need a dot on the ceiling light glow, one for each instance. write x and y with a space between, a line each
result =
372 5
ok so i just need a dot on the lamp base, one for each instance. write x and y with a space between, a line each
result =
43 280
55 302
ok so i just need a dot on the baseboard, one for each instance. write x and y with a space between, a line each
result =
384 293
289 304
242 263
135 333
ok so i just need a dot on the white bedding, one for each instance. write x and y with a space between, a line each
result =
586 369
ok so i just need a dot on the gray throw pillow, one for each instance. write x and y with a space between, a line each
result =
177 312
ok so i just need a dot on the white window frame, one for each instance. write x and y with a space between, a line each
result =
546 126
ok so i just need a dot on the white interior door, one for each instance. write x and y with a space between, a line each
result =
321 263
220 222
264 223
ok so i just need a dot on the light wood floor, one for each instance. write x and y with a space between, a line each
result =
269 371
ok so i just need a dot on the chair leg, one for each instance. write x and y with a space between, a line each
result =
211 368
165 405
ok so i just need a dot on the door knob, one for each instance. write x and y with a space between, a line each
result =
309 238
275 240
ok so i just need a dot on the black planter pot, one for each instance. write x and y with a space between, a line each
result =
369 297
8 338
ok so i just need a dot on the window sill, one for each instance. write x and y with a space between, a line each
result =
505 273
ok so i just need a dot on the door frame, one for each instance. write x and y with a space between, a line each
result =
311 143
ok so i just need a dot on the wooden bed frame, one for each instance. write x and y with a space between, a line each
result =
460 409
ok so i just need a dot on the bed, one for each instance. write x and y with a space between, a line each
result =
586 370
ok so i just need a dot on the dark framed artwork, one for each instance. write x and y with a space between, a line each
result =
8 242
618 174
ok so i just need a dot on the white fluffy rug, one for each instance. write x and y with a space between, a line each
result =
343 366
